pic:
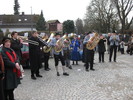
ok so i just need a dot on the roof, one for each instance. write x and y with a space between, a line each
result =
53 21
18 20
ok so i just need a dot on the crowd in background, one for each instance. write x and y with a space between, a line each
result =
11 55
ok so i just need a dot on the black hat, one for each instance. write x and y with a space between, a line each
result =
57 34
88 33
5 39
114 31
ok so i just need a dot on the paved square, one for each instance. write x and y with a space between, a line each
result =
110 81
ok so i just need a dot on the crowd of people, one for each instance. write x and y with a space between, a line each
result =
64 50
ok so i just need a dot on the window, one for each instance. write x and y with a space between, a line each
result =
25 19
19 20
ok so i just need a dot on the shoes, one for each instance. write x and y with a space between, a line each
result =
70 67
99 61
65 74
114 60
48 69
92 69
33 77
87 70
58 74
39 76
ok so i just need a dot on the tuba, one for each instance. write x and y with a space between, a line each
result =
46 49
67 40
59 44
95 39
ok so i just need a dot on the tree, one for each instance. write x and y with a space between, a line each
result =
101 17
124 8
79 26
41 23
16 7
1 31
68 26
7 33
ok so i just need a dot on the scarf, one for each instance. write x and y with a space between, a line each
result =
13 59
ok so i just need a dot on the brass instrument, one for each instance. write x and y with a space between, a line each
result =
95 39
25 39
67 40
46 49
59 44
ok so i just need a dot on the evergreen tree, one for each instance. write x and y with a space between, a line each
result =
16 7
40 25
68 26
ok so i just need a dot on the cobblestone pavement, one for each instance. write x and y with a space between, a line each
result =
110 81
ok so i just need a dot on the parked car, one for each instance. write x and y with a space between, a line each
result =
25 55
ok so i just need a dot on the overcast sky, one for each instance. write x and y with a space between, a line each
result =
52 9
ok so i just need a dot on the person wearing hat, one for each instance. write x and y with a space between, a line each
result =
35 43
114 42
12 69
2 75
66 51
89 54
58 56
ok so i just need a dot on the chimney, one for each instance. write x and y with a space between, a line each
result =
22 13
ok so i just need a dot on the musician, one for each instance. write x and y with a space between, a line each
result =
122 43
16 44
66 51
75 46
89 54
114 42
2 75
46 57
58 56
35 42
101 48
12 69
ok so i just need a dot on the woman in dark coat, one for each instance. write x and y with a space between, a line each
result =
12 69
101 48
1 78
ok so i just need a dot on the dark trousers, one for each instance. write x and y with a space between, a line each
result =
46 59
113 49
101 56
36 66
57 58
1 90
33 72
9 95
89 58
122 50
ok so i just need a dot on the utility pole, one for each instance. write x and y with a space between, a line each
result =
31 21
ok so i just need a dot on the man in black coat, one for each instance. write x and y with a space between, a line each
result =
35 42
16 45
